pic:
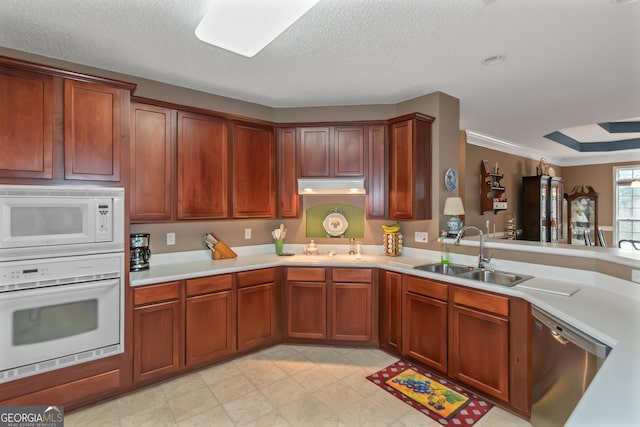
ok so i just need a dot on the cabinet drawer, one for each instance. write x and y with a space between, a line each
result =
310 274
427 288
482 301
205 285
256 277
358 275
156 293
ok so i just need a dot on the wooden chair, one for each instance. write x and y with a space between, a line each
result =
629 244
601 239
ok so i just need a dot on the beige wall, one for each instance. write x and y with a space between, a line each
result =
513 168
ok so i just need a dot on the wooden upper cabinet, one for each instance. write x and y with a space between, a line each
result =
203 166
410 167
314 152
327 152
26 124
288 199
254 170
377 171
152 151
93 131
348 151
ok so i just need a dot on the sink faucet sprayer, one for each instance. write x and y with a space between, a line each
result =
482 260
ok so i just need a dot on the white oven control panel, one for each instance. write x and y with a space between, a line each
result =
17 275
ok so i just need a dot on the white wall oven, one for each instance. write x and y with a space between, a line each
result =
61 277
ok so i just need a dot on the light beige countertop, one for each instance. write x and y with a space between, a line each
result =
604 307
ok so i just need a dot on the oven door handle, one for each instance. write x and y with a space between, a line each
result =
6 296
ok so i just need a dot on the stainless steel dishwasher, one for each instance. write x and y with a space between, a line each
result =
564 360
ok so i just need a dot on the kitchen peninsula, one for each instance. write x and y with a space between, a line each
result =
600 305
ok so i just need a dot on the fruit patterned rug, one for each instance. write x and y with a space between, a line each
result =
443 401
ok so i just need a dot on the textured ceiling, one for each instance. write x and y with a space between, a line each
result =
569 63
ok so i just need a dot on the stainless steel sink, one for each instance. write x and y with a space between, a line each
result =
495 277
450 269
480 274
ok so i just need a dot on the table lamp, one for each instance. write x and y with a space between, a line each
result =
453 206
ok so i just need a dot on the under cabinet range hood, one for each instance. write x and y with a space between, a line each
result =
331 186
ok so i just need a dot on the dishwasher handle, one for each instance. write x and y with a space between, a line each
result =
564 333
562 340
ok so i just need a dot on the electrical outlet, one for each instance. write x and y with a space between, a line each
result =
247 233
635 276
422 236
171 239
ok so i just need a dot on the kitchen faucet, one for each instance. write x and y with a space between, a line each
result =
482 260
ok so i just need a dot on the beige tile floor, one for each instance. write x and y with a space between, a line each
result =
286 385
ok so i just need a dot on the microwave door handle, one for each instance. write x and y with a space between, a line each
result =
6 296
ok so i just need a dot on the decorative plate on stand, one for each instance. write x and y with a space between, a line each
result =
335 224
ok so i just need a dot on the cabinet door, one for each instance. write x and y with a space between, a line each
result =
307 310
391 312
93 131
425 330
351 311
401 186
257 315
203 186
288 199
410 168
479 351
314 151
254 171
348 151
26 124
152 160
377 172
209 327
156 340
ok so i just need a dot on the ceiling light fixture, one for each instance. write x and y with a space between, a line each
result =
493 60
245 27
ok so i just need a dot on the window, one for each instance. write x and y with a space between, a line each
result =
627 213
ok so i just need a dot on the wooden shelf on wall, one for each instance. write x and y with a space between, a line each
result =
492 190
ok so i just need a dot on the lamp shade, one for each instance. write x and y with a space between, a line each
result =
453 206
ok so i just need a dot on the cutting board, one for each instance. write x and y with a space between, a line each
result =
565 289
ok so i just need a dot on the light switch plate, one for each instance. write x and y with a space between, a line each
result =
247 233
635 276
171 239
422 236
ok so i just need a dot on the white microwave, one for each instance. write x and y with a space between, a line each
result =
53 221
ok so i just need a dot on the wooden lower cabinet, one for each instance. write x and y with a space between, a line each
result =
157 323
424 322
390 314
307 310
479 341
258 320
351 309
209 320
338 307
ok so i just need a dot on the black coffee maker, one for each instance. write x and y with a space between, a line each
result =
140 252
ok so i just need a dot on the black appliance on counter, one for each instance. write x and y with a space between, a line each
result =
140 252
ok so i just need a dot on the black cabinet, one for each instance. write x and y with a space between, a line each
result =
542 208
